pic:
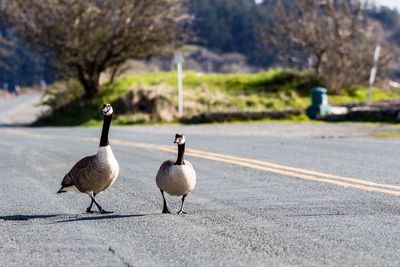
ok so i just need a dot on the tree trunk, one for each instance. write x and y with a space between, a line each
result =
114 71
90 82
318 64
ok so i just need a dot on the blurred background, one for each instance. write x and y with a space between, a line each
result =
241 59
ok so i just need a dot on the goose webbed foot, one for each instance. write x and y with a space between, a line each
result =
102 211
166 210
182 212
89 210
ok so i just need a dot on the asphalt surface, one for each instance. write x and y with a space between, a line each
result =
21 110
238 215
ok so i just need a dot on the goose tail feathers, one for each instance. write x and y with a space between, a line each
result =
61 190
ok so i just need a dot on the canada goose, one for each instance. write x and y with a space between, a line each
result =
96 173
176 178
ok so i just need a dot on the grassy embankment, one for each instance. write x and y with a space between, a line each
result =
276 89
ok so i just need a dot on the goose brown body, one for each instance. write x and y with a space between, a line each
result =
93 174
176 180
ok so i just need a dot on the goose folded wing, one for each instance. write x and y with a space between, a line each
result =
165 167
79 169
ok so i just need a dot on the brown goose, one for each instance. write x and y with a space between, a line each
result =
96 173
176 178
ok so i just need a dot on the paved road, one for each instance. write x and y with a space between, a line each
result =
245 210
20 110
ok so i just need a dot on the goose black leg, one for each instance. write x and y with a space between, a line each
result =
89 209
102 211
165 208
181 210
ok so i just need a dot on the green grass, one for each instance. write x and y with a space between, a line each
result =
360 94
273 80
275 89
388 134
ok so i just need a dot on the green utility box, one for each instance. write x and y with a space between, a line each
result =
319 104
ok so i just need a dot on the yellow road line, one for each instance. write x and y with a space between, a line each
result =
260 165
299 170
299 173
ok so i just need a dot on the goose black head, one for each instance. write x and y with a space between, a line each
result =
179 139
107 110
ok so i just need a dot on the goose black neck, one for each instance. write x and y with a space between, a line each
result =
105 130
181 152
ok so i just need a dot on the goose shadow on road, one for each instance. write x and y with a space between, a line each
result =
70 217
20 217
104 217
14 125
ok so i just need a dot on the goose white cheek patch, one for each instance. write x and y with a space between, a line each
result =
182 141
109 112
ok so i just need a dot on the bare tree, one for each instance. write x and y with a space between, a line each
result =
5 44
90 36
332 37
5 52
